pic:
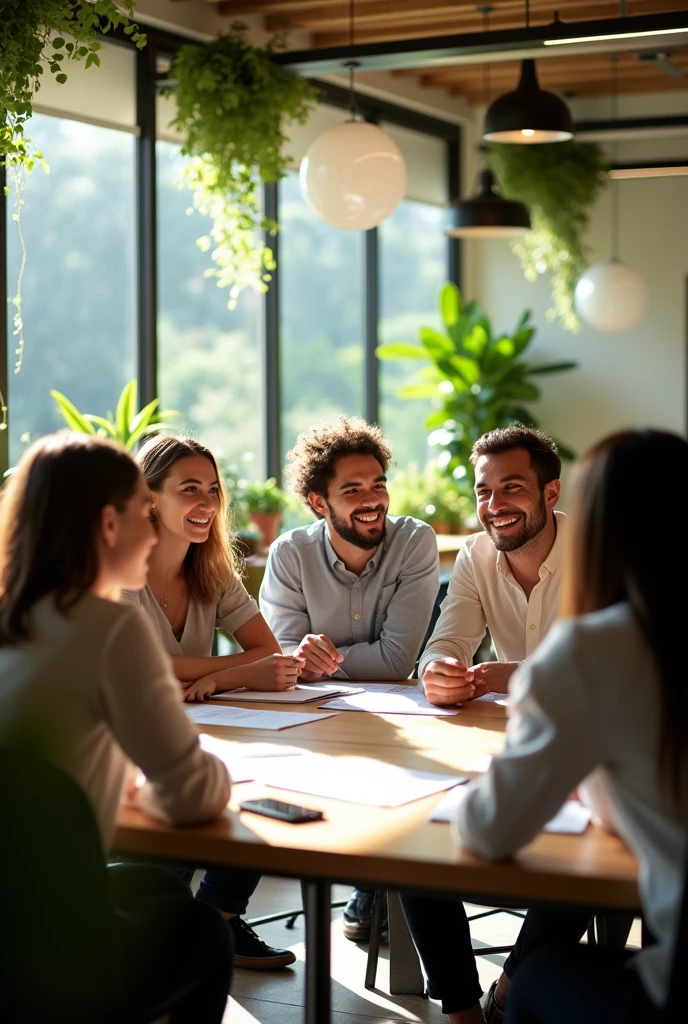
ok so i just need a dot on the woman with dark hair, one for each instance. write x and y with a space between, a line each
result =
193 587
193 584
80 674
602 705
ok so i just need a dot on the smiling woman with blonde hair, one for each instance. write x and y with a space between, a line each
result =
194 588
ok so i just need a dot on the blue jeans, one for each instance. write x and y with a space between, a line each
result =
571 984
441 933
228 889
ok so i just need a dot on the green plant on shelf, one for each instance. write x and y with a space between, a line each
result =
260 497
476 380
429 494
126 425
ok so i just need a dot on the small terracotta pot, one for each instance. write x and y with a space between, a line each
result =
440 527
268 523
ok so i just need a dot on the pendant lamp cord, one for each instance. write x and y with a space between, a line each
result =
527 13
352 65
614 213
486 11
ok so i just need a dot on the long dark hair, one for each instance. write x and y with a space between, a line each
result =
49 518
610 558
208 567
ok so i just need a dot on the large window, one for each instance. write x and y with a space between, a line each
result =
413 268
209 365
321 317
78 292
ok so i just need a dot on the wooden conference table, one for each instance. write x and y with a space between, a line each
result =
393 848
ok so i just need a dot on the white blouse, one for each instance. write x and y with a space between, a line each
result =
589 701
94 688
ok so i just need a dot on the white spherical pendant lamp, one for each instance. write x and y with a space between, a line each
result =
611 296
353 176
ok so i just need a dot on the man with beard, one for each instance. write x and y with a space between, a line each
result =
505 580
352 594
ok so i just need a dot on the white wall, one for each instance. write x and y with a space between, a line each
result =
631 378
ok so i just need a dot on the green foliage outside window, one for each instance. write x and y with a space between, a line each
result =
429 494
559 184
233 103
260 497
477 381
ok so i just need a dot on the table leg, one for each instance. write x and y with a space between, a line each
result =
316 900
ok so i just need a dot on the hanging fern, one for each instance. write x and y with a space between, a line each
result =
558 182
233 103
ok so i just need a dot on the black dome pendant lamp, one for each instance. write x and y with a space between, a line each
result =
528 114
487 214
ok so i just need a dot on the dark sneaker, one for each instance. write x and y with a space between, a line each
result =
358 915
492 1011
250 951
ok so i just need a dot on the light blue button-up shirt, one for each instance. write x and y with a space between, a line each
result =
377 620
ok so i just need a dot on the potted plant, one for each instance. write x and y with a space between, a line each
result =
559 185
477 380
126 425
431 495
233 103
264 503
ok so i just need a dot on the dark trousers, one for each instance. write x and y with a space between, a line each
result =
574 984
174 954
441 933
228 889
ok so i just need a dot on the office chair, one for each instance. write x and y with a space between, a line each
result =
56 921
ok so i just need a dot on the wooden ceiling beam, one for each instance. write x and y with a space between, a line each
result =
579 11
394 13
593 67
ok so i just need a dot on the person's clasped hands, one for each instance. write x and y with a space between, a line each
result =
321 657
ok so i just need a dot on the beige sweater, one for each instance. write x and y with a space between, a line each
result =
94 688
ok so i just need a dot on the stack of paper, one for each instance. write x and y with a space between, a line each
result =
390 699
247 718
299 694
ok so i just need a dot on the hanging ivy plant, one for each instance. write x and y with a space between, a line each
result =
38 35
233 102
558 183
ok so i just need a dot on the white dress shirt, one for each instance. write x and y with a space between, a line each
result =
589 701
483 594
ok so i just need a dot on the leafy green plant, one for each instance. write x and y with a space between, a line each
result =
477 381
429 494
126 425
54 32
38 34
559 184
260 497
232 105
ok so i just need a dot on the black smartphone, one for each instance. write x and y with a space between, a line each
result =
281 810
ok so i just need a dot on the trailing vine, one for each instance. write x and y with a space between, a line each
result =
558 183
39 34
233 103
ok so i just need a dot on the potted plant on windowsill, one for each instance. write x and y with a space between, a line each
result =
263 502
429 494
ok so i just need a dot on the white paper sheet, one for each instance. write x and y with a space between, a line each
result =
299 694
248 718
359 780
492 698
240 758
390 699
572 819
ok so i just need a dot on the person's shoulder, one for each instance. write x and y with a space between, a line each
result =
106 617
300 539
408 529
134 597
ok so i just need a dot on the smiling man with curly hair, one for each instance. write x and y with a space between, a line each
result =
353 593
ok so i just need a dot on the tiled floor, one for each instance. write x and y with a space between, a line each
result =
277 997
